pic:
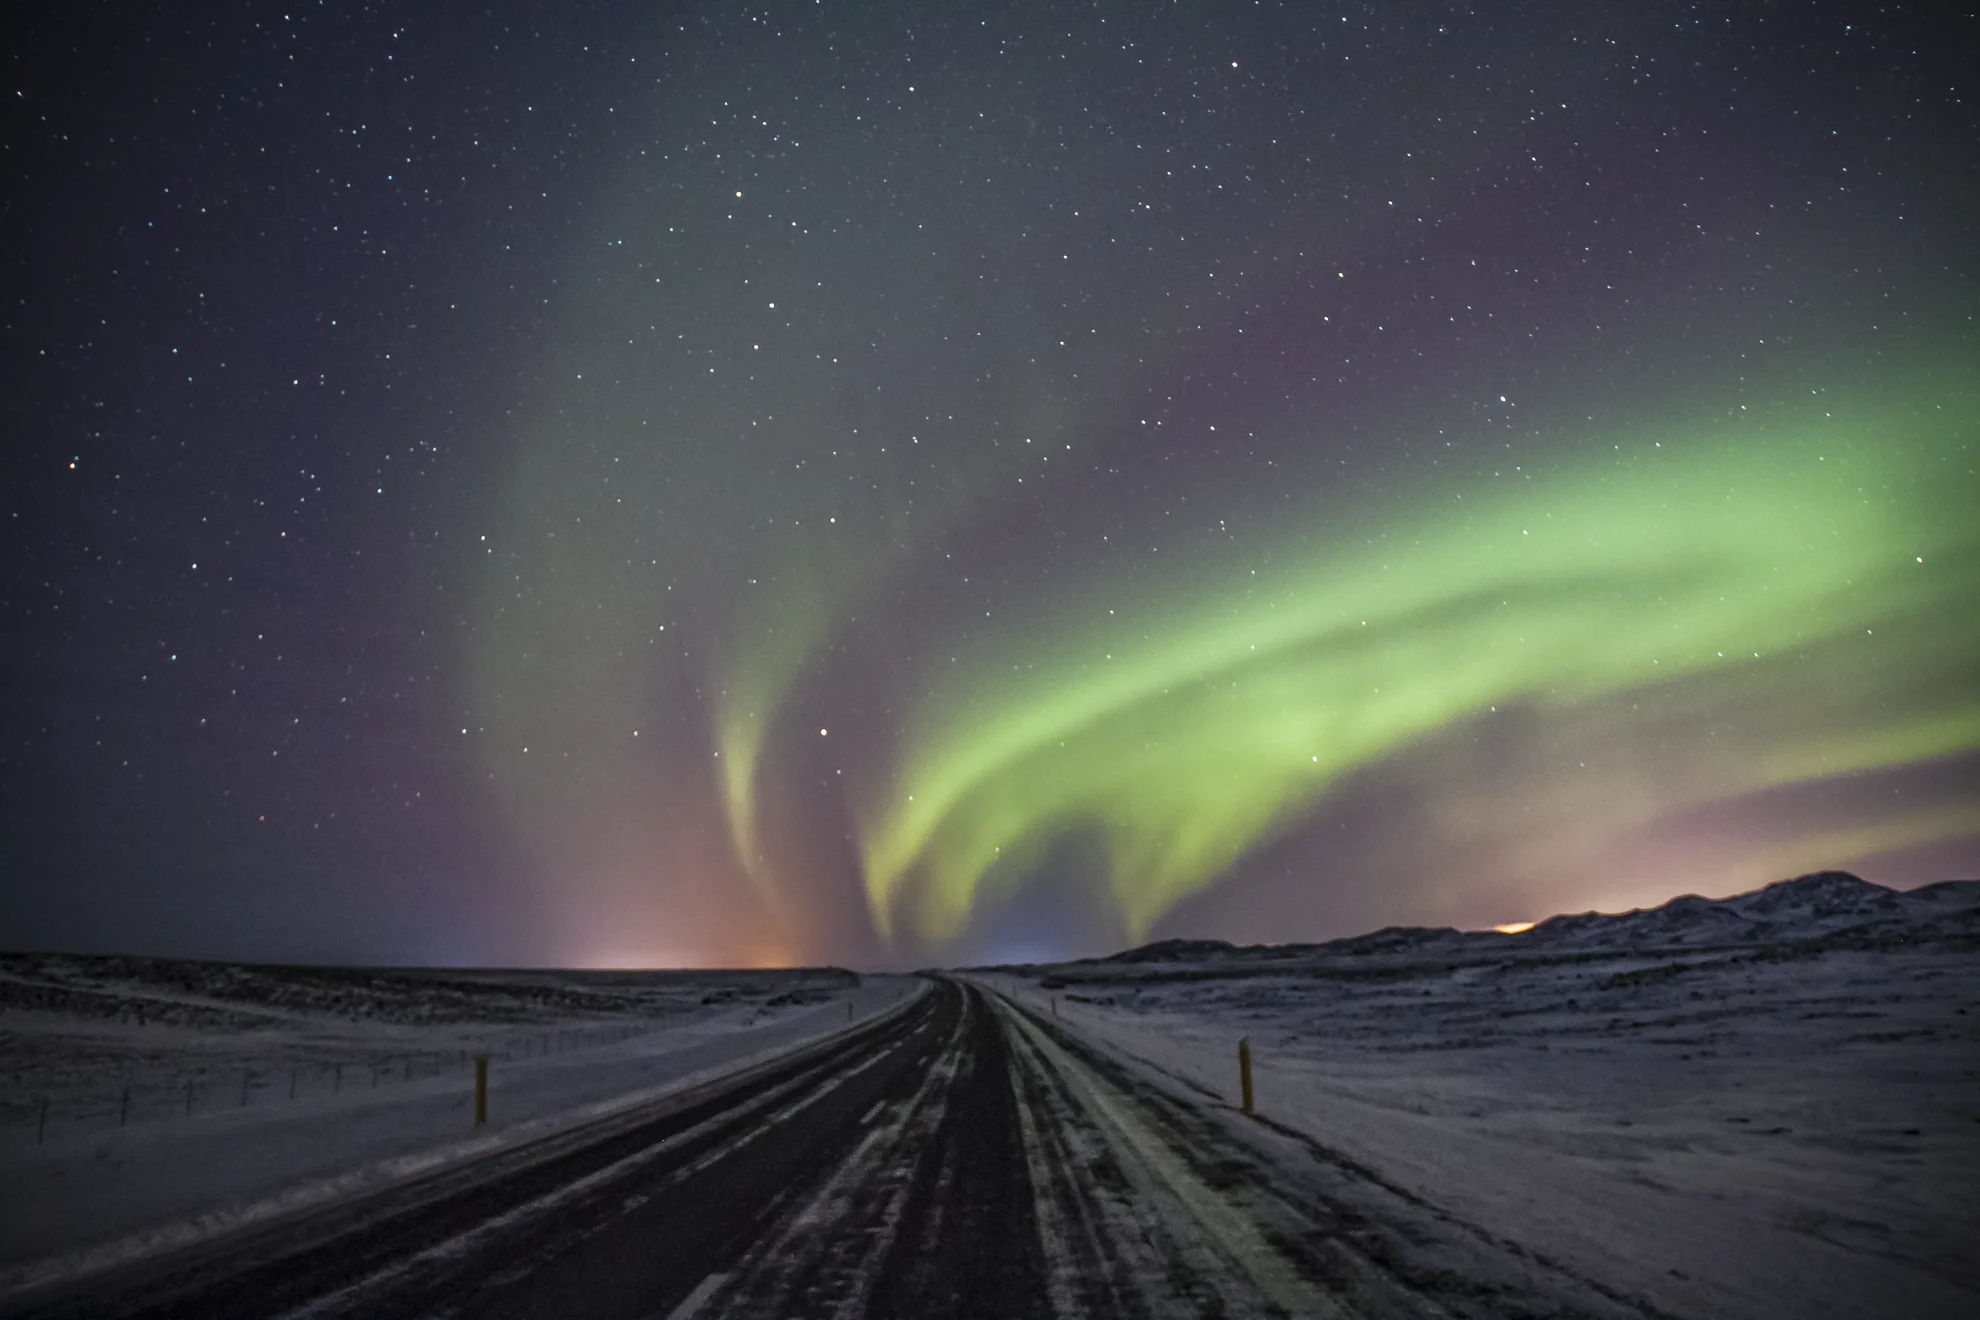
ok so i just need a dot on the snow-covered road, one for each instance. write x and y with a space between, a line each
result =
961 1154
1752 1107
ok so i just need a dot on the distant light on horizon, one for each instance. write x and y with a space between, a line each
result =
630 960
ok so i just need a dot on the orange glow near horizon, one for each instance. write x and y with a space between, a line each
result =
767 956
1514 928
631 960
760 954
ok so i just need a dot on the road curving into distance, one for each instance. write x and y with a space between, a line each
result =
958 1156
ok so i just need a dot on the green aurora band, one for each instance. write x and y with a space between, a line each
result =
833 373
1748 553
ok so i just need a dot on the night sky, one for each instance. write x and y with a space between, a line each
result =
722 484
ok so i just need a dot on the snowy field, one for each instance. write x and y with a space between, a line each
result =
1755 1107
1765 1106
148 1102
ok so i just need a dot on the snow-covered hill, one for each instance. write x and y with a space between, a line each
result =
1761 1105
1826 909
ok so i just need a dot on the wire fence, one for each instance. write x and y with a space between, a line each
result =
162 1092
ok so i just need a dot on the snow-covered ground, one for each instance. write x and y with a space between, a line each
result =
253 1090
1761 1106
1764 1106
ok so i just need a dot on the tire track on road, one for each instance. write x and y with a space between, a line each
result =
932 1219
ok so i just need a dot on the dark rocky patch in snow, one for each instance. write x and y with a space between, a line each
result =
1162 951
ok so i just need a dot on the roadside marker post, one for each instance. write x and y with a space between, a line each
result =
481 1090
1244 1071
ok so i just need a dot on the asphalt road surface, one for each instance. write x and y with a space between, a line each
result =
960 1156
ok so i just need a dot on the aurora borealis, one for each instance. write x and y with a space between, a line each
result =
1244 703
680 484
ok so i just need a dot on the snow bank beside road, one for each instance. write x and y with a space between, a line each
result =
94 1194
1786 1124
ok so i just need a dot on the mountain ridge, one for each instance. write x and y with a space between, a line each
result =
1817 905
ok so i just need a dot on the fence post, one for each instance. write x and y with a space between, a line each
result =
481 1090
849 1010
1055 1006
1244 1070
